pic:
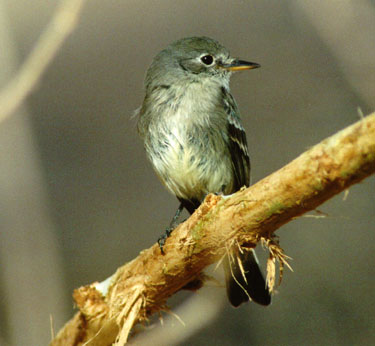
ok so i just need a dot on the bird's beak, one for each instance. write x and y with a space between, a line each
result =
239 65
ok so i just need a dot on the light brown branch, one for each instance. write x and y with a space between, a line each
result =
142 286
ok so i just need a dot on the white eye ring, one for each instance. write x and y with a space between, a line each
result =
207 59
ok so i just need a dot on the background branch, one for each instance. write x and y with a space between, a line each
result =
52 38
142 286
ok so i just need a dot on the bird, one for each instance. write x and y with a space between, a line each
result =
192 133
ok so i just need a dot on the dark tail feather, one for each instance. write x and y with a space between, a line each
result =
255 285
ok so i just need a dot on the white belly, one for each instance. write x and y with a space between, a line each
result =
188 144
191 168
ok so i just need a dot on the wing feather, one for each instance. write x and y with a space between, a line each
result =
237 143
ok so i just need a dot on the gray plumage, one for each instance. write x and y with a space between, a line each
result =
192 132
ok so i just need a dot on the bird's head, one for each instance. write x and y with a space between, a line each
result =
194 59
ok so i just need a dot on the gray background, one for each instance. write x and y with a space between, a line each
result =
101 203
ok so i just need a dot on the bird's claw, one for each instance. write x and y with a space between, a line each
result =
162 239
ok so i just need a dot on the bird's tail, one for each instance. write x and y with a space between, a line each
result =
247 281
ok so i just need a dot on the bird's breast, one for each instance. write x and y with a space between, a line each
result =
188 147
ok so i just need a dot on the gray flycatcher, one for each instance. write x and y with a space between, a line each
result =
192 133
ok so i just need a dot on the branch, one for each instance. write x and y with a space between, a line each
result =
141 287
58 29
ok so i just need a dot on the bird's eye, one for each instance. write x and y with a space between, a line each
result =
207 59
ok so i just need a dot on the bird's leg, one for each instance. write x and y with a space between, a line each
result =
174 223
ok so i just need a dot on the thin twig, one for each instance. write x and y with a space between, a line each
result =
61 25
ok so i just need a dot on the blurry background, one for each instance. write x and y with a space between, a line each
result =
78 197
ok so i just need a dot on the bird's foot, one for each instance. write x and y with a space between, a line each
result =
174 223
162 239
